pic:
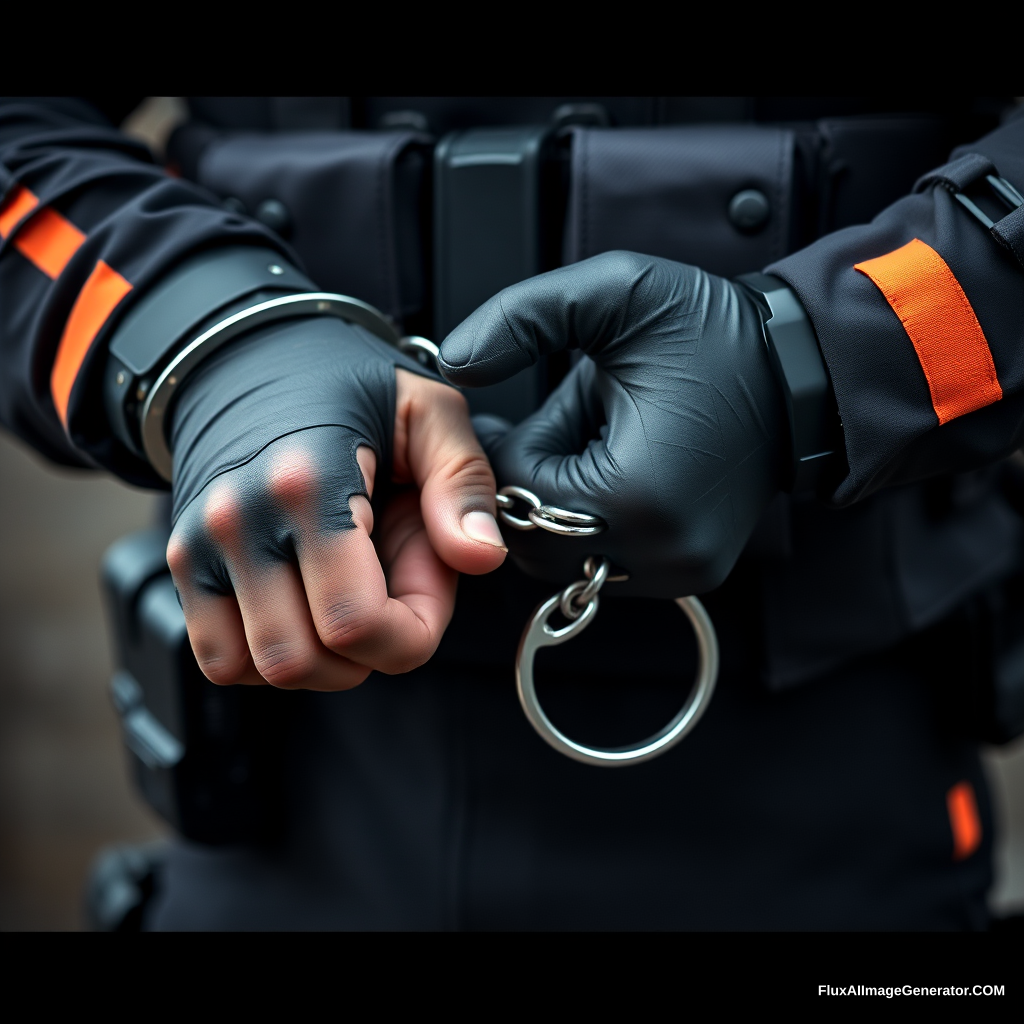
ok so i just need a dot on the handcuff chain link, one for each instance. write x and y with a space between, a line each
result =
547 517
578 595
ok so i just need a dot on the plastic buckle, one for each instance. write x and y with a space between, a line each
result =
1002 190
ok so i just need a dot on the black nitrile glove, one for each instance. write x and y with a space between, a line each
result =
673 430
276 441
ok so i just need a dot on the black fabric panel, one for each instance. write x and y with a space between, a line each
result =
870 162
349 205
1010 232
666 192
859 579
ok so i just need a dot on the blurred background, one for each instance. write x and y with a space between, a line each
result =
64 789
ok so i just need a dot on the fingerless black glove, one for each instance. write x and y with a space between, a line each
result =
326 385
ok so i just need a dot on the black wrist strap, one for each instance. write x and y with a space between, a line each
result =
205 287
815 429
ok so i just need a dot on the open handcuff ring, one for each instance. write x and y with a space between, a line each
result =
579 603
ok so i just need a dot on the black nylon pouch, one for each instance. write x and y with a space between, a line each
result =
667 192
356 205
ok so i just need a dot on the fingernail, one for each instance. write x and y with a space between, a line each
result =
482 527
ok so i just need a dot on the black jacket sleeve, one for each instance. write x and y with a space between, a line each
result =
87 224
917 393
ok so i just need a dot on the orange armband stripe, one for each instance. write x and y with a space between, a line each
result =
18 204
49 240
940 321
100 294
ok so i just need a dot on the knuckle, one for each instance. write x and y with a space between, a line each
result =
219 667
222 515
293 482
283 662
410 661
455 401
470 471
344 624
177 557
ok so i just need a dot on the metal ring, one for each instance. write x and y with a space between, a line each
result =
539 634
578 595
564 522
566 601
154 440
523 495
423 350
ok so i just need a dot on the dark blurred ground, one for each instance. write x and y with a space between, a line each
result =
63 788
64 792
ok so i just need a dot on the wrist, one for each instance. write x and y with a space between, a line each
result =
815 444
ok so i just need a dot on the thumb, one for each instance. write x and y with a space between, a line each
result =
586 305
444 458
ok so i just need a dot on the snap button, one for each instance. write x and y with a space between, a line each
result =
274 214
749 209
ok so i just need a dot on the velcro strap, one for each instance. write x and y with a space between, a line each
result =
958 174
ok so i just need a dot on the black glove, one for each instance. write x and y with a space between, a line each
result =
271 549
673 430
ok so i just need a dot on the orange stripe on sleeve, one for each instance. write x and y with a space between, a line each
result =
964 820
18 203
100 294
49 241
941 324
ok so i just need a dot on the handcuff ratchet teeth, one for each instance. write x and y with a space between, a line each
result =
579 603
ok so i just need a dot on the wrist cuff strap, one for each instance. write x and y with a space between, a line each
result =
206 302
202 290
801 371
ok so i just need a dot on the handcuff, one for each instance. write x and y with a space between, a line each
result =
579 603
217 296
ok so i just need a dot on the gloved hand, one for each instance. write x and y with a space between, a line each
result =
276 440
673 430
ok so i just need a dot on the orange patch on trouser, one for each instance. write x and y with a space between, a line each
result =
963 820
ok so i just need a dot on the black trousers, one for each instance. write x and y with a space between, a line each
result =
426 801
